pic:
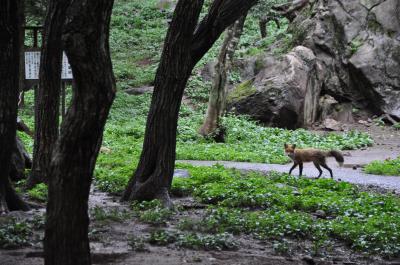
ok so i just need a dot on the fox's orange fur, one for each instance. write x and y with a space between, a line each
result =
318 157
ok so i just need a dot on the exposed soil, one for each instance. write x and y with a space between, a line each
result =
109 239
109 244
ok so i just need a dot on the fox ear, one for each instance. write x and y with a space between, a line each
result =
285 145
294 146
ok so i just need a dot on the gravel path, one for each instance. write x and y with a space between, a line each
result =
350 172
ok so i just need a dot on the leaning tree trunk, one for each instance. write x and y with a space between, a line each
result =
184 47
9 86
48 92
218 93
152 181
263 26
86 37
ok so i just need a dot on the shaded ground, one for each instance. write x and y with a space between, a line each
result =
109 244
109 239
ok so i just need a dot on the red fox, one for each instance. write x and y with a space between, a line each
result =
318 157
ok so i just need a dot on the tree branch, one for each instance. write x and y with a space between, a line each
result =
222 14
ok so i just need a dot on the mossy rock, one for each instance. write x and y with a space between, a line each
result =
242 91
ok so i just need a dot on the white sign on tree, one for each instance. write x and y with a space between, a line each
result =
32 66
66 72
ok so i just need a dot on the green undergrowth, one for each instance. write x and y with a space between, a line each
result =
388 167
156 215
14 233
138 29
276 206
152 212
104 215
190 240
246 140
221 241
38 193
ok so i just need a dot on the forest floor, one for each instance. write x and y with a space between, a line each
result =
116 232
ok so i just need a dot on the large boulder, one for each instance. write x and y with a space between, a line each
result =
281 93
348 50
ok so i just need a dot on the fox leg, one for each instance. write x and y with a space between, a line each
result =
326 167
300 169
293 167
319 169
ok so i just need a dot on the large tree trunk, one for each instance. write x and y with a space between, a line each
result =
218 93
86 37
9 86
184 47
48 92
153 181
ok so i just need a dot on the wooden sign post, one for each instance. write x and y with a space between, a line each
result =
32 67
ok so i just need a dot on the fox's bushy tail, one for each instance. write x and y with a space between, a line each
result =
337 155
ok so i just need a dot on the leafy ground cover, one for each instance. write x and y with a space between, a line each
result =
388 167
277 206
16 233
246 140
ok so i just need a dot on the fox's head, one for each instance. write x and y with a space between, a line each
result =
289 149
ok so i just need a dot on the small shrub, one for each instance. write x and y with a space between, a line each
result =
281 246
14 234
388 167
152 212
379 122
116 215
39 192
207 242
218 242
162 238
355 44
137 244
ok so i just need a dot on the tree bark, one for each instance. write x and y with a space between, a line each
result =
22 52
184 46
48 92
86 37
9 86
263 27
218 93
158 157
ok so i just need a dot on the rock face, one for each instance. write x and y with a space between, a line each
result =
347 50
292 106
